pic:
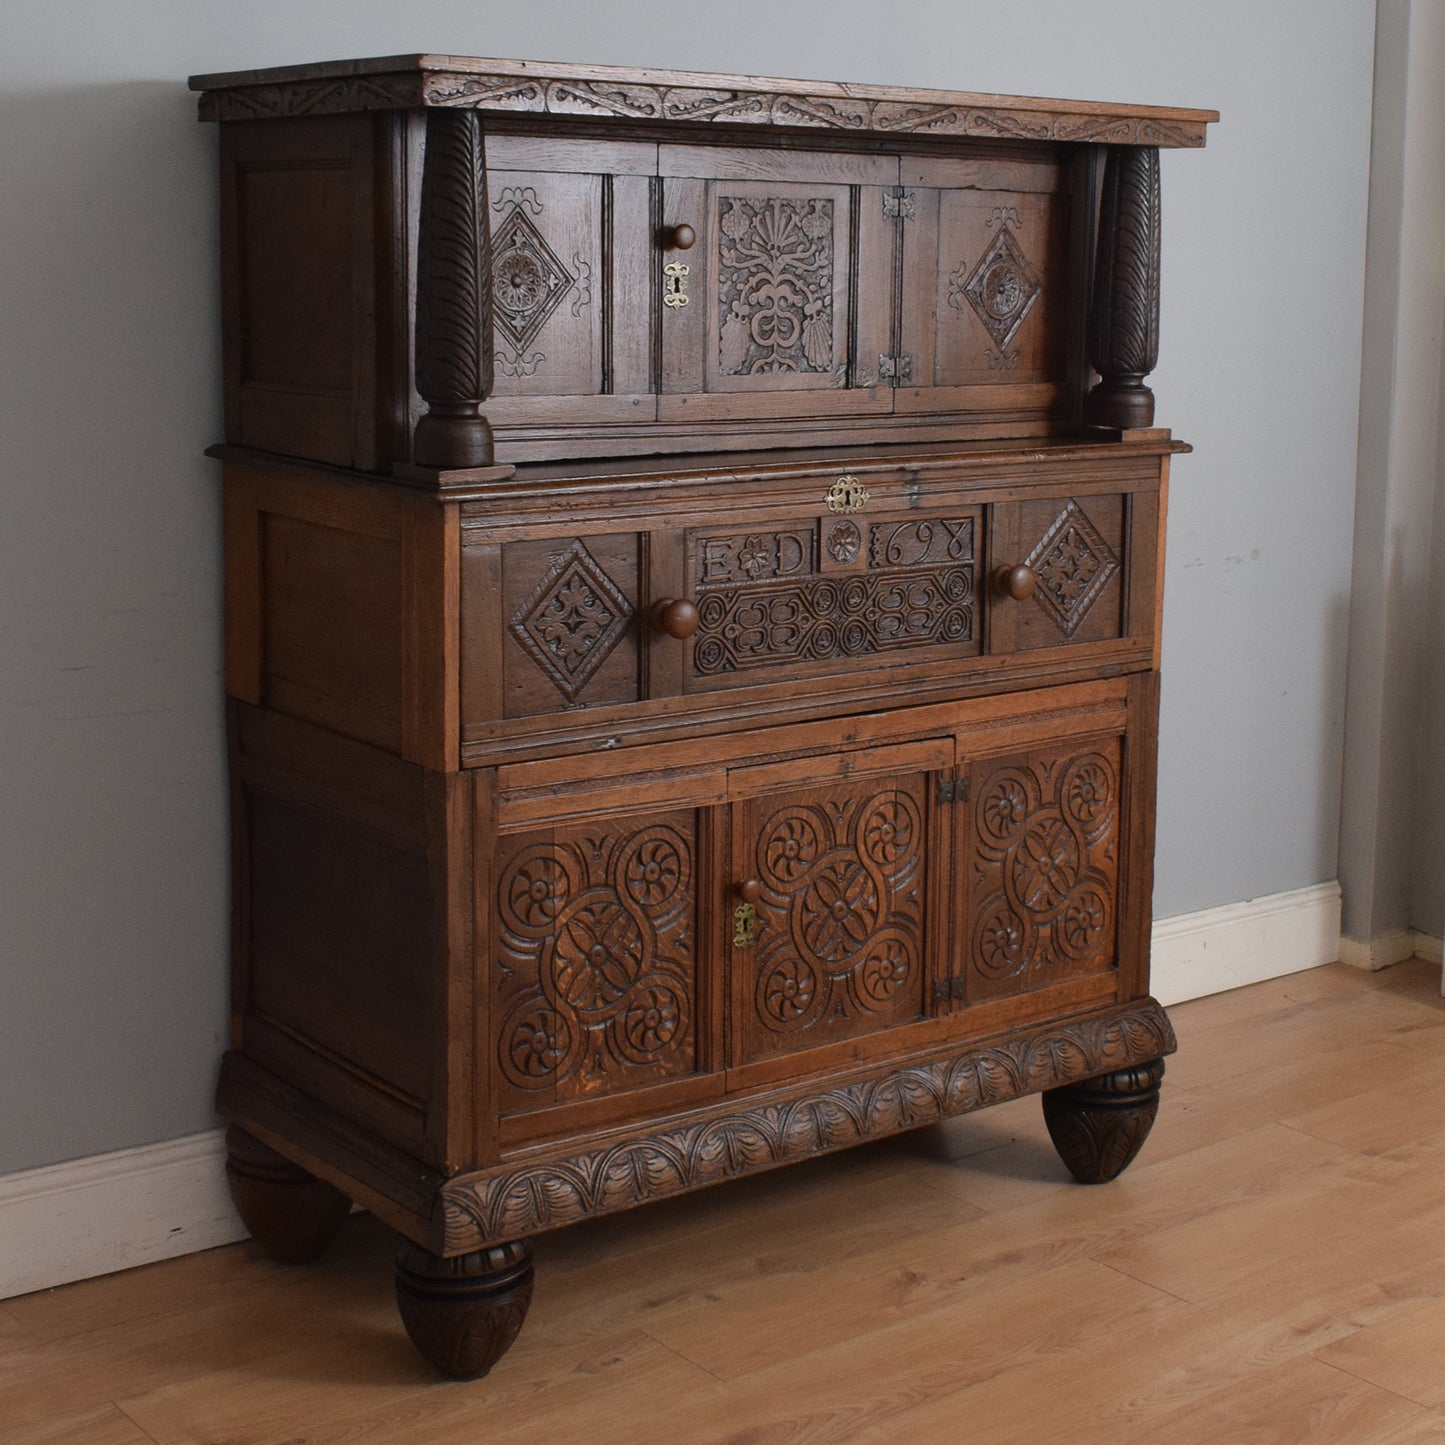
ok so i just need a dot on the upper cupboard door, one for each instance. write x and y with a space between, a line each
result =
986 284
572 250
783 304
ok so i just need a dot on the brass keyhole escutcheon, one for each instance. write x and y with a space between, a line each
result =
745 921
674 284
847 494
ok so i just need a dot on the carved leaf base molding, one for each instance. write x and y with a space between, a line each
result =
625 1168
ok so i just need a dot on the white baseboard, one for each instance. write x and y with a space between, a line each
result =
1222 948
115 1211
1389 949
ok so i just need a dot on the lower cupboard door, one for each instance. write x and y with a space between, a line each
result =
838 946
595 985
1041 864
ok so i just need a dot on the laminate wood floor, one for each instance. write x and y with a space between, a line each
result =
1272 1268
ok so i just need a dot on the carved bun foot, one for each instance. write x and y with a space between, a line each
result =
463 1314
1100 1125
291 1214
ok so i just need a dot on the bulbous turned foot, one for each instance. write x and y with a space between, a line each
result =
1100 1125
291 1214
463 1314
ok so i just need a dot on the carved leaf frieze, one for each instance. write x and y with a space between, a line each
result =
722 1142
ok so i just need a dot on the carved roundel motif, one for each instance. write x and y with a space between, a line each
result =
1045 832
596 959
1001 289
528 281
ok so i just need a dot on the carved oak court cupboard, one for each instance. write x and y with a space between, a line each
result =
693 568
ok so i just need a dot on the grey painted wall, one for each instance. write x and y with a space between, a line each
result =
112 835
1392 843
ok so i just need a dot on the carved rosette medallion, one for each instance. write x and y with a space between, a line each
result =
597 961
845 541
1074 565
775 285
840 922
529 282
574 618
1045 835
1001 289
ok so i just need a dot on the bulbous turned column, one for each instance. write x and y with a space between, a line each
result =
1100 1125
454 295
464 1313
1124 308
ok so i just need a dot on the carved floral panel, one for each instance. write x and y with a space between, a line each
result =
840 924
596 959
1044 843
775 285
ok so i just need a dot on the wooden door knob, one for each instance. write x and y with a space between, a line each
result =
678 238
1017 582
749 890
677 617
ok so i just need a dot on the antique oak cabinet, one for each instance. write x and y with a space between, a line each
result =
693 569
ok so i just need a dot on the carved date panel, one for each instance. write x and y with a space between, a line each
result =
832 594
1043 867
569 618
595 984
840 932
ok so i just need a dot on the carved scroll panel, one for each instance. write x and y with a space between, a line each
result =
840 934
596 959
834 592
1043 867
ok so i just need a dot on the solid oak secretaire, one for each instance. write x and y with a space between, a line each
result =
693 570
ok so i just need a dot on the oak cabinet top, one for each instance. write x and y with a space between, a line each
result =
686 98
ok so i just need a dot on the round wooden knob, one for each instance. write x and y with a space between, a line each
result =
749 890
677 617
1017 582
679 238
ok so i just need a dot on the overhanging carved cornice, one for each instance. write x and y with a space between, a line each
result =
680 98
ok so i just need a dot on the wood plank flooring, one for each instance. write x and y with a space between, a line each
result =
1271 1269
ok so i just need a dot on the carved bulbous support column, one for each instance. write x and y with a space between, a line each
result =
289 1213
1100 1125
462 1314
454 295
1124 308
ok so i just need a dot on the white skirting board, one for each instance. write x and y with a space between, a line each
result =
1218 949
115 1211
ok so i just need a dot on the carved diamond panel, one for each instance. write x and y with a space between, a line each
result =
1002 288
528 281
595 949
1074 565
775 285
1045 869
573 619
840 921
